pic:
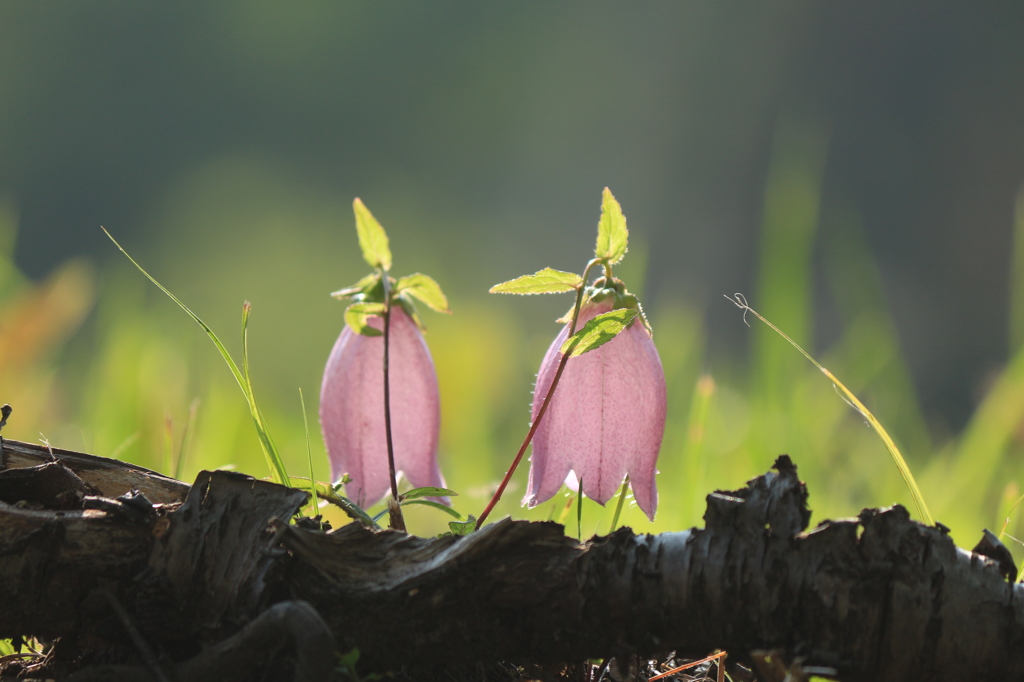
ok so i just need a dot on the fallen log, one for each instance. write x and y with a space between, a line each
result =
876 597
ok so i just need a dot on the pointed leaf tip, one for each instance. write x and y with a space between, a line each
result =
429 491
546 281
598 331
612 234
463 527
425 289
373 240
363 286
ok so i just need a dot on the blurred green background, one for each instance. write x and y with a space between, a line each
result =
852 168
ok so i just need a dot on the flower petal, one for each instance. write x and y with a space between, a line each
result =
352 409
606 418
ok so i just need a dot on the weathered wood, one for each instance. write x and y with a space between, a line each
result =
51 561
877 597
214 557
109 477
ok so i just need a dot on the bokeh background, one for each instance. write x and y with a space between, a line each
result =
852 168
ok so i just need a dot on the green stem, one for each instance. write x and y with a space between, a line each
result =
618 505
544 405
579 512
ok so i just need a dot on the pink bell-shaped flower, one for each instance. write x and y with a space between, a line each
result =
352 409
606 418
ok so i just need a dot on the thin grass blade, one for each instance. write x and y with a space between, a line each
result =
239 377
856 404
277 468
309 455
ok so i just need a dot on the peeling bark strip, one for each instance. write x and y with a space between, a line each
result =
878 597
108 477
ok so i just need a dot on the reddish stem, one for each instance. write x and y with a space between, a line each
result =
544 405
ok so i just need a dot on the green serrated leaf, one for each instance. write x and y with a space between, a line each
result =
598 331
357 314
360 287
428 492
373 240
612 235
463 527
546 281
436 505
425 289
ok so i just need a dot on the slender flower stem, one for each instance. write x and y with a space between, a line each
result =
396 521
579 512
544 406
618 505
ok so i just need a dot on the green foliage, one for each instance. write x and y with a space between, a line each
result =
425 289
579 512
416 493
621 497
598 331
363 286
108 389
277 468
856 404
435 505
612 235
373 240
309 457
347 668
546 281
357 314
462 527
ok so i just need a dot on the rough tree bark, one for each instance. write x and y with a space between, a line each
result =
212 583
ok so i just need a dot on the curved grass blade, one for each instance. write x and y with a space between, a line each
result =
277 467
273 458
309 455
740 302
